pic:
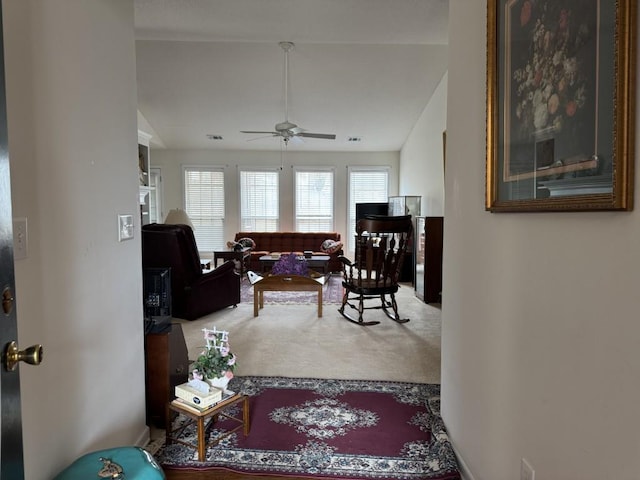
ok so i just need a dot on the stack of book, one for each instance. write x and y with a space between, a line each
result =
196 401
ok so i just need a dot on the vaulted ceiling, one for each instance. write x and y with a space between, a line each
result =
360 69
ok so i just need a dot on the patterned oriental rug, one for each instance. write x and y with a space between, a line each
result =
339 429
331 293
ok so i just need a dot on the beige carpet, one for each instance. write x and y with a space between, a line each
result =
291 341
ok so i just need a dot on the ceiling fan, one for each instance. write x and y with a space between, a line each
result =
288 130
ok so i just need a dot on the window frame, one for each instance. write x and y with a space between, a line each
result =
351 204
245 169
305 169
205 168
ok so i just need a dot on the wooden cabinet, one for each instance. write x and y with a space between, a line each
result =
428 249
167 365
418 248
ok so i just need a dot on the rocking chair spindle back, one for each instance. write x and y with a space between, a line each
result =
381 244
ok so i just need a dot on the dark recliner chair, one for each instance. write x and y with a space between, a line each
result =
193 293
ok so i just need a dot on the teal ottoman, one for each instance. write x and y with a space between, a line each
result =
125 463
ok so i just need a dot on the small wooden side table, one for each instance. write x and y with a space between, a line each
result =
242 256
200 420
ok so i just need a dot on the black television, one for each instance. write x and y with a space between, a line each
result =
371 208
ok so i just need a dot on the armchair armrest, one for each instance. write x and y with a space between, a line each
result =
345 261
212 291
347 266
218 271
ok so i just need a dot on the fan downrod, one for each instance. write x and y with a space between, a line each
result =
286 129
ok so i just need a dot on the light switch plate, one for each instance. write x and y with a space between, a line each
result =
125 227
20 238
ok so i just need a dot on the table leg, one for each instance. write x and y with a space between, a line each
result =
320 302
168 425
244 264
256 296
245 415
201 445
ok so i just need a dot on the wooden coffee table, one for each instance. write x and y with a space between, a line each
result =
286 283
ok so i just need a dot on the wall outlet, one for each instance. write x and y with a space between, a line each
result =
526 471
20 238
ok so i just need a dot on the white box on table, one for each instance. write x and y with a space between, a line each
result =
196 397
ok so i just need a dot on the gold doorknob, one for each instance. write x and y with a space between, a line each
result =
31 355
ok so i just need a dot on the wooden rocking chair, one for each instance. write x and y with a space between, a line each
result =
381 245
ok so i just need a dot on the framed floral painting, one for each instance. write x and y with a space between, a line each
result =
560 104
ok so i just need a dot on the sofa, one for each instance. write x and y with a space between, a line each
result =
297 242
193 293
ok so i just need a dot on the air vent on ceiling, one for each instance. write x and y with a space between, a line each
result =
214 137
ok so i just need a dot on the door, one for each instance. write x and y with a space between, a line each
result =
11 458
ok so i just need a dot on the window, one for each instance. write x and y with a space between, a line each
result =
259 204
204 203
366 184
314 200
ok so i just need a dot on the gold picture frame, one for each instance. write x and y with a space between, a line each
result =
560 105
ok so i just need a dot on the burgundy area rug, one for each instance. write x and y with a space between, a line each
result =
339 429
331 293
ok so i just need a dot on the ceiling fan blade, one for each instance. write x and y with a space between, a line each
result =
327 136
263 136
253 131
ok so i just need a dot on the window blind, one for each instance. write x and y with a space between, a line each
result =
314 201
365 185
259 200
204 203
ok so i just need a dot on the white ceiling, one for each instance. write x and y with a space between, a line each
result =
360 68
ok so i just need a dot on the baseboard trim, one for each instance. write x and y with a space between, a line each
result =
144 438
465 473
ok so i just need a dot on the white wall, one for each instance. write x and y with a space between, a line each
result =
171 161
421 158
71 86
540 330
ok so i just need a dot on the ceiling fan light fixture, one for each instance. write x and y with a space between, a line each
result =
285 126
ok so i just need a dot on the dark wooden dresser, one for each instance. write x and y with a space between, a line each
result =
428 247
166 365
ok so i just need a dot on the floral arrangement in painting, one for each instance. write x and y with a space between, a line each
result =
290 264
216 360
550 83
